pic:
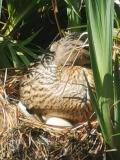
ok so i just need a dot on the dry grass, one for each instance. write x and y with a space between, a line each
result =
27 139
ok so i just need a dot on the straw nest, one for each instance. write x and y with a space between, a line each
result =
27 139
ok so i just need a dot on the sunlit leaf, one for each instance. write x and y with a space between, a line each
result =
100 25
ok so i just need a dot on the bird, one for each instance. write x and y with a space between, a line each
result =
71 50
59 90
50 91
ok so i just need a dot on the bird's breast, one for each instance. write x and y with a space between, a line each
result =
58 91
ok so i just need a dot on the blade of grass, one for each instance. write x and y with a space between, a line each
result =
29 39
117 95
26 51
117 102
23 58
4 61
95 106
0 7
73 10
16 61
100 25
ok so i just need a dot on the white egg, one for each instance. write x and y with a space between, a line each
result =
55 121
23 109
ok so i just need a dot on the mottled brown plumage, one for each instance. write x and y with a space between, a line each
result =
60 89
54 92
71 50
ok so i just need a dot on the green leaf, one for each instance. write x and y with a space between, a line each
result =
100 22
29 39
0 7
15 58
19 10
4 60
73 8
26 51
117 95
95 105
74 5
100 26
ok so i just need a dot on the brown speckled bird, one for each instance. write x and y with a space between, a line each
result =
54 90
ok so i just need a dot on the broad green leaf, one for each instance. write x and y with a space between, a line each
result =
16 61
23 58
100 26
27 51
100 21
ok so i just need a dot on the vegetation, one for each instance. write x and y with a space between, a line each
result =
100 17
103 21
17 50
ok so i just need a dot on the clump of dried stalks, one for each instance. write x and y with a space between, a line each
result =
27 139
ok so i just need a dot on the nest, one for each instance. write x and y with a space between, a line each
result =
26 138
